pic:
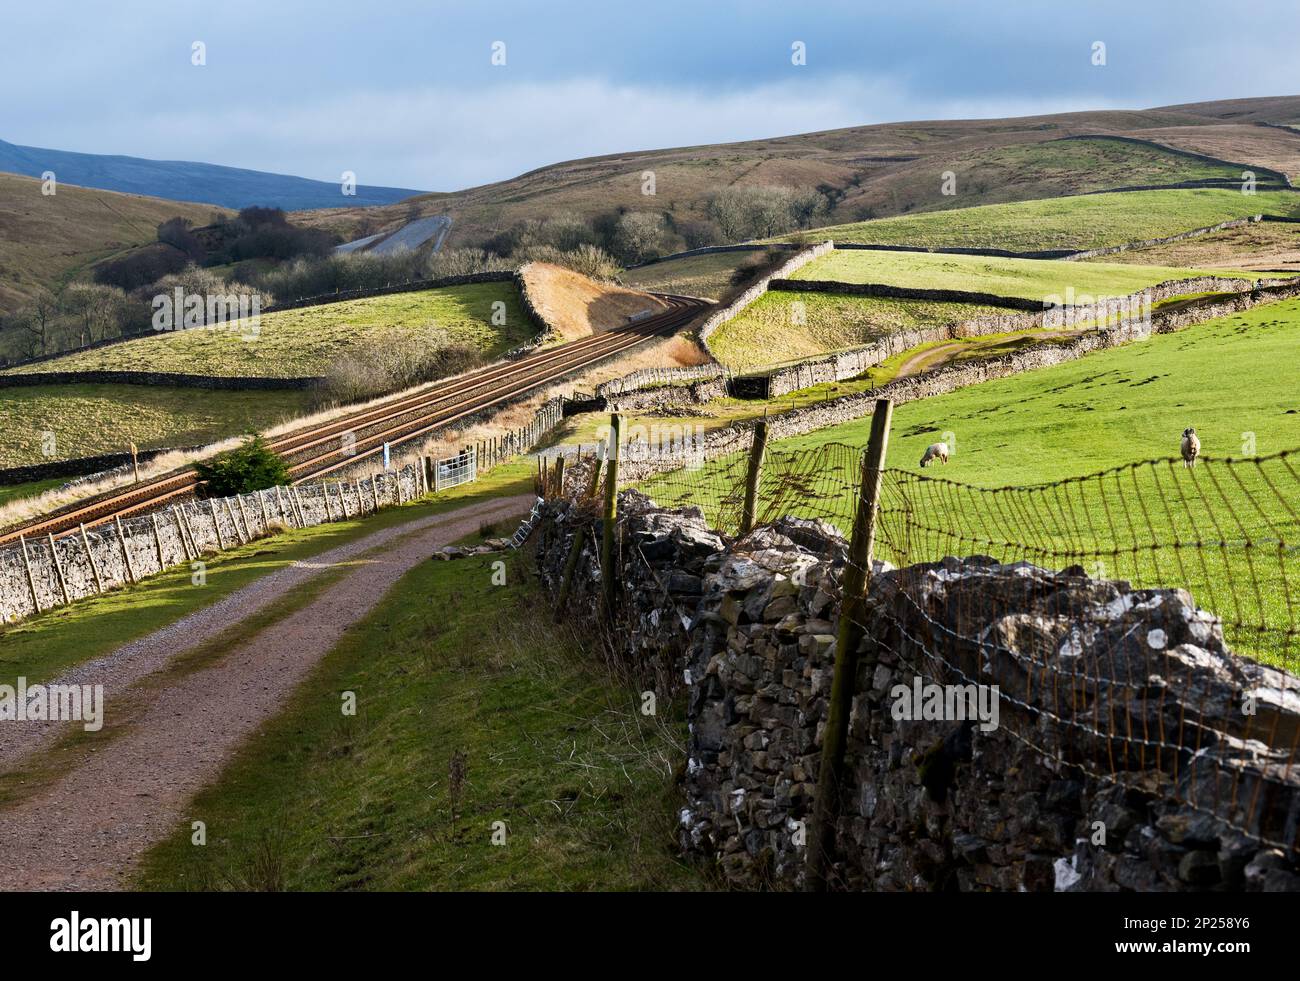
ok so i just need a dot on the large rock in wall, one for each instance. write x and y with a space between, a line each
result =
1050 799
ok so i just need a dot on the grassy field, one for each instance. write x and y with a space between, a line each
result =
1028 278
89 420
708 276
472 709
304 342
781 327
1261 245
1102 411
1080 222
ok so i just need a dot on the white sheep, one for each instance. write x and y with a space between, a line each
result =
1191 447
935 451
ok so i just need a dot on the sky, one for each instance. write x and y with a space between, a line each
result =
406 93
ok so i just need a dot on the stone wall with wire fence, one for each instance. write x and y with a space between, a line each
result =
1112 659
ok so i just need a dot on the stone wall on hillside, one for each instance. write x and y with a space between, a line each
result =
784 271
169 379
1036 803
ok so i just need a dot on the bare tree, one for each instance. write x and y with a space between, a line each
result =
40 320
94 308
639 236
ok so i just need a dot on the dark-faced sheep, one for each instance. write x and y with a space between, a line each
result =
1191 447
935 451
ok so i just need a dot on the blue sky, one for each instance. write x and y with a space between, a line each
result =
404 93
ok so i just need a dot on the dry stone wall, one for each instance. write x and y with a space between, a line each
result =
746 628
39 574
784 271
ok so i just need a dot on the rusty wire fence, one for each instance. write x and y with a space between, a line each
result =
1107 609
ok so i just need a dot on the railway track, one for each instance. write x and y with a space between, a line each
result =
319 450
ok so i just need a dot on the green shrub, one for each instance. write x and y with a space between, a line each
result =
251 467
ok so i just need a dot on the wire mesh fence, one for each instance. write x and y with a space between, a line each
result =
1065 596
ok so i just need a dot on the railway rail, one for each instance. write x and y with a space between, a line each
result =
319 450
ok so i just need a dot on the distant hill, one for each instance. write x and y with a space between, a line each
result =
180 180
46 241
886 169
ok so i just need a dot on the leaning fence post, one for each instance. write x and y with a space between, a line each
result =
579 540
216 526
58 571
126 553
847 640
157 541
611 510
90 557
31 580
752 478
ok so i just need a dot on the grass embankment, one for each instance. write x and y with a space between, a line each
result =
779 327
46 645
17 492
472 709
709 276
1032 279
1079 222
1101 411
306 341
90 420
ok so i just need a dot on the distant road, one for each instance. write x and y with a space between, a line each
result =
410 236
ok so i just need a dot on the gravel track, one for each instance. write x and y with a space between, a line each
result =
88 829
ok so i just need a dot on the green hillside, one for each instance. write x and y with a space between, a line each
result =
304 342
1087 221
1027 278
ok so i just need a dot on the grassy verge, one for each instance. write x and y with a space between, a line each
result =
17 492
471 710
44 646
89 420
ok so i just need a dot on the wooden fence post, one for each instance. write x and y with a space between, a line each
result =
753 477
279 506
374 490
157 541
230 509
261 503
575 550
243 513
216 524
611 512
126 552
847 640
90 557
325 488
31 580
189 529
58 572
297 503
